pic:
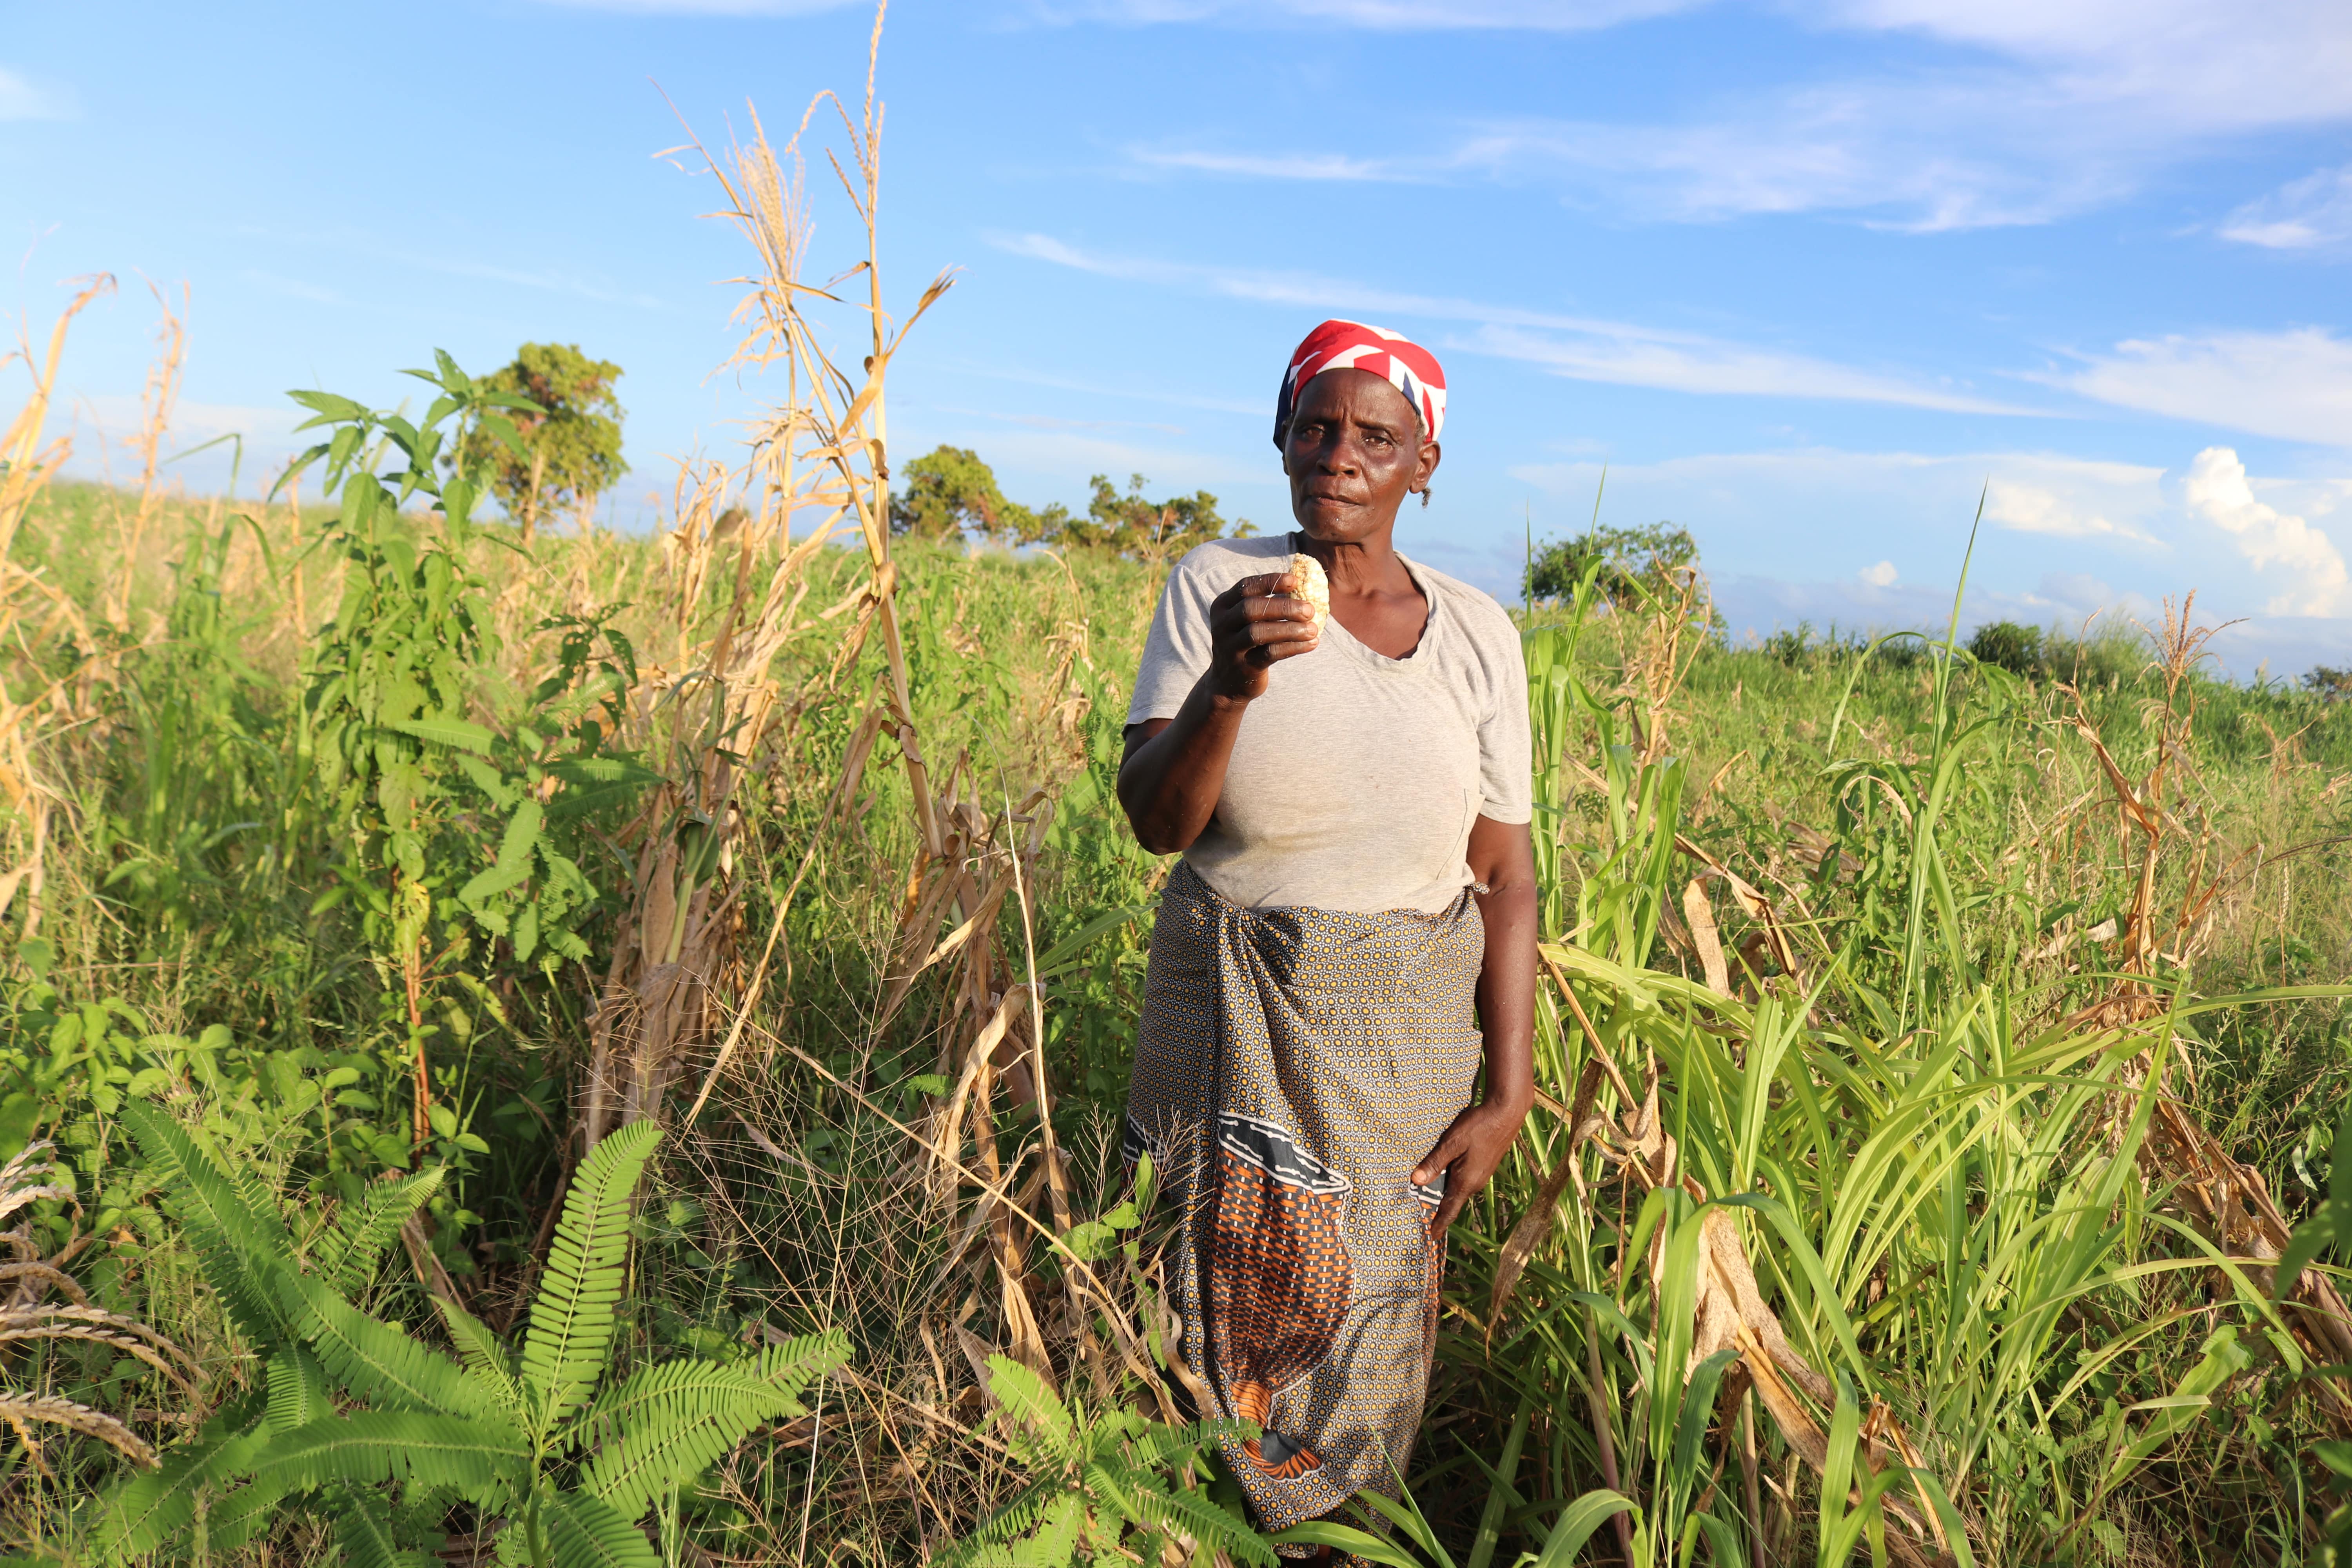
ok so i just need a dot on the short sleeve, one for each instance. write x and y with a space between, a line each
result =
1177 649
1506 748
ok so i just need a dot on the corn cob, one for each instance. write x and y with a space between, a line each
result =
1314 588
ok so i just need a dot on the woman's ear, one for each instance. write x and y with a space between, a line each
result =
1425 469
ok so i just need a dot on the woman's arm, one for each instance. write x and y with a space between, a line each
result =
1174 769
1502 856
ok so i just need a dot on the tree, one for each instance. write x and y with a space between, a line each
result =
950 490
1144 529
2015 647
1634 562
570 453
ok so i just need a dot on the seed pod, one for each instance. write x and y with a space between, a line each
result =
1314 588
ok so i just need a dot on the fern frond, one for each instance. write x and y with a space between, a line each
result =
666 1423
349 1251
142 1513
1029 1403
485 1359
1205 1522
571 1319
481 1459
363 1529
1019 1514
584 1533
297 1391
1162 1447
241 1249
1054 1545
800 1360
378 1363
236 1517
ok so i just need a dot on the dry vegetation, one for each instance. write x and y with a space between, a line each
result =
1934 1059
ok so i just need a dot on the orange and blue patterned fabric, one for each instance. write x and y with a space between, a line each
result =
1292 1067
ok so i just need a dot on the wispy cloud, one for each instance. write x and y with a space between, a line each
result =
2314 213
293 288
706 7
1878 493
21 98
1278 165
1401 15
2296 385
2033 112
349 239
1627 355
1582 348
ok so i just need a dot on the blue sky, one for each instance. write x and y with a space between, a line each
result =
1807 279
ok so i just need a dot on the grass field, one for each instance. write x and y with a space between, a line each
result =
1944 1083
1935 1058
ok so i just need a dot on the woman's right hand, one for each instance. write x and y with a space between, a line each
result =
1251 624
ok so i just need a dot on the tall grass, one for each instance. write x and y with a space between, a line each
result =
1932 1056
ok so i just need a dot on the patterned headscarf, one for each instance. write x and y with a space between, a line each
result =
1352 345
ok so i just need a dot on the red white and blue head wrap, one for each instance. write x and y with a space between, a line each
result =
1352 345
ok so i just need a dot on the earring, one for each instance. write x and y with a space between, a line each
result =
1424 500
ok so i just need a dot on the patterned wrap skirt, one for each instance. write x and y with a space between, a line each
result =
1293 1066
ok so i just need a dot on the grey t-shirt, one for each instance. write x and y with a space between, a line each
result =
1356 777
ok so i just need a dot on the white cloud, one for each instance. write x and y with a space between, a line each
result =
2216 490
23 99
1544 15
1882 575
2310 213
2201 64
706 7
1278 165
293 288
1584 348
2297 384
1866 494
1628 355
1061 455
2030 110
2064 512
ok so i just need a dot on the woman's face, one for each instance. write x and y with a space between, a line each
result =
1353 452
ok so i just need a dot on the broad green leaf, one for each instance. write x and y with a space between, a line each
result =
1576 1524
460 733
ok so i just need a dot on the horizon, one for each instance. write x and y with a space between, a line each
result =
1807 284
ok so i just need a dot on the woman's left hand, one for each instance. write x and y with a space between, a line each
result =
1469 1154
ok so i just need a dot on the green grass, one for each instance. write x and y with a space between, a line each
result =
1937 1159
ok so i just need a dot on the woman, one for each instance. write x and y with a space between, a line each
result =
1351 931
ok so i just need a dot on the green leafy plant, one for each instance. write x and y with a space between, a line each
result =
382 1432
258 1264
1096 1475
452 829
